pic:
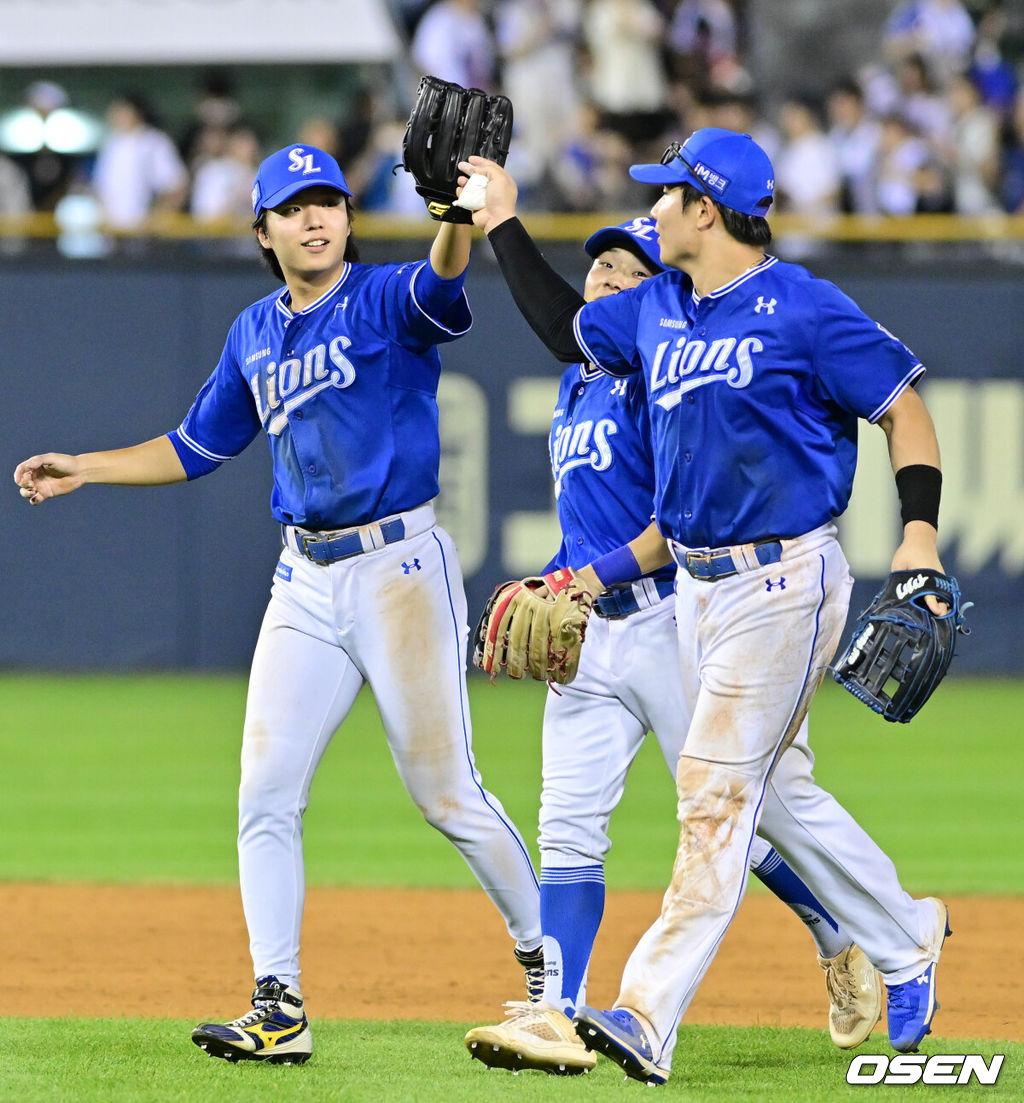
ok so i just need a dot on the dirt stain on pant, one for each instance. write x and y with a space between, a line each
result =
708 865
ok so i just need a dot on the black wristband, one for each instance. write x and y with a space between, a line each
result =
919 486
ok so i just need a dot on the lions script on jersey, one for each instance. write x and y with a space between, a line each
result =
600 427
335 463
757 385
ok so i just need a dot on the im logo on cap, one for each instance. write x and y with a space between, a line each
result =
713 179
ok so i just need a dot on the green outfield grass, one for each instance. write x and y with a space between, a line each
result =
98 1060
134 779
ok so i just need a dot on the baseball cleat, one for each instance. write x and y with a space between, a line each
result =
275 1031
912 1005
532 962
854 994
533 1036
619 1036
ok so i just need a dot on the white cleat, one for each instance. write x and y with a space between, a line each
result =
854 994
533 1036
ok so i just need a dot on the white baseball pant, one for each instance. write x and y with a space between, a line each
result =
394 618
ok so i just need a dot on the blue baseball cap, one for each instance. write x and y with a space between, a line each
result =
638 235
292 169
729 167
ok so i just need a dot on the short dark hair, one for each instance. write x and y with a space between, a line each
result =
746 228
269 257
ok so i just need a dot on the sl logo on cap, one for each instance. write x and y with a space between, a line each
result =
300 162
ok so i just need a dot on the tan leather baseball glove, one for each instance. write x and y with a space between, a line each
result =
535 626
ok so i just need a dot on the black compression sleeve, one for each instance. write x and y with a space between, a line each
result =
545 300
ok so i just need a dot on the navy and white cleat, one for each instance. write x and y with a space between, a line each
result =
619 1036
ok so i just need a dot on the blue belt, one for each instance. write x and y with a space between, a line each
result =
329 547
719 563
614 604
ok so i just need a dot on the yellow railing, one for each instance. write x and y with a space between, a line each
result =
575 227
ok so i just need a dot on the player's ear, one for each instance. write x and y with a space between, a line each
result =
261 236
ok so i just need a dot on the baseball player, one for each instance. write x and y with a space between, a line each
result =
626 685
756 375
340 371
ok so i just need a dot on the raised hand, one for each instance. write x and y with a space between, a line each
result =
499 195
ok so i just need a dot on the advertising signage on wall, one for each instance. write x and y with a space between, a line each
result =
199 558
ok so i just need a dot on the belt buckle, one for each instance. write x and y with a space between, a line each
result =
305 540
696 560
708 560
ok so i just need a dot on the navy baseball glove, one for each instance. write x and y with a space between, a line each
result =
900 650
448 124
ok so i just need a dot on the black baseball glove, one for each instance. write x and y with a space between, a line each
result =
448 124
900 650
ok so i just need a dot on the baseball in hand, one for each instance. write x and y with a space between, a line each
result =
473 196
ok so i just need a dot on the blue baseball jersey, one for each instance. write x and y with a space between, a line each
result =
755 392
602 464
345 390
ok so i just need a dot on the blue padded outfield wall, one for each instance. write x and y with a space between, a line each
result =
102 354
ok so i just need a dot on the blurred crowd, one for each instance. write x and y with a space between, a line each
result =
935 123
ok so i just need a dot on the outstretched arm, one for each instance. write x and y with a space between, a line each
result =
53 474
449 255
547 302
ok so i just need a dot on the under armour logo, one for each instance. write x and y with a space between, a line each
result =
762 305
769 585
618 387
410 567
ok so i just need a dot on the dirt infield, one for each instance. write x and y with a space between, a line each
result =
87 950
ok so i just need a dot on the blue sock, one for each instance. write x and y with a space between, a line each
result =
774 873
571 907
